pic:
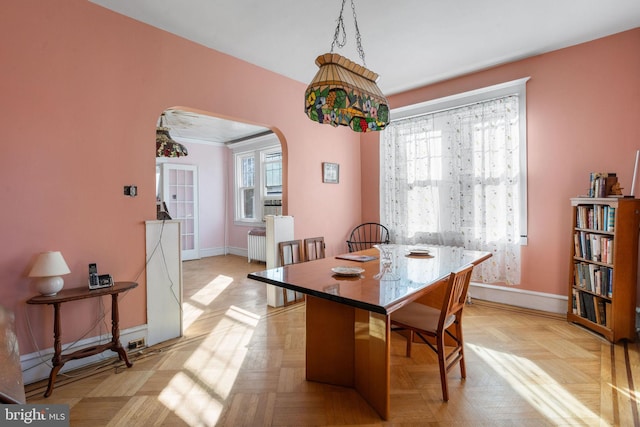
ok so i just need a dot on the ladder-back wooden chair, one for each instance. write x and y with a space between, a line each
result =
314 248
291 252
428 322
366 235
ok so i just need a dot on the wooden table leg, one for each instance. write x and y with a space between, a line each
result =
56 361
115 332
349 347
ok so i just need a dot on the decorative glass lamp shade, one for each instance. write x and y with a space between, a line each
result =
167 147
345 93
48 268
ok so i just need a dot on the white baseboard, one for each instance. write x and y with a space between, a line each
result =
205 253
243 252
519 298
37 366
209 252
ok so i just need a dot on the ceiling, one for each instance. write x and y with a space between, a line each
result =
187 126
409 44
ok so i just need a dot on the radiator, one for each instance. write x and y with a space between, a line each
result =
257 245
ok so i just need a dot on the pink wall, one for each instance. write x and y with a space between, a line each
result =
82 90
583 105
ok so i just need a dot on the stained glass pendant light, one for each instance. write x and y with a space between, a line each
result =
343 92
165 146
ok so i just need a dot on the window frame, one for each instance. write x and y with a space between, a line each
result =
258 148
514 87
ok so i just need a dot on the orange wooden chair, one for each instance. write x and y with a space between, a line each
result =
428 322
314 248
291 252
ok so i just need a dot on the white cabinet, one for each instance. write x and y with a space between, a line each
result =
164 281
279 229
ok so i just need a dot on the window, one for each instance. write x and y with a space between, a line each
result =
273 174
258 167
246 186
453 172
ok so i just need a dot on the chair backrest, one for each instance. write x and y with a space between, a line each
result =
314 248
290 252
366 235
456 295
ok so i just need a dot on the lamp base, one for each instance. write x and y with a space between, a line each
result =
49 286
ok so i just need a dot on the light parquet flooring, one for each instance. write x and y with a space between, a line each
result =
241 363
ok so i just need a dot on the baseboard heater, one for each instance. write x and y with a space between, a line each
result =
257 245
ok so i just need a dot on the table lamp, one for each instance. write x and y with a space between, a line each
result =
48 268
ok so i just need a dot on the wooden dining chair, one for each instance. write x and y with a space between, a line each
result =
366 235
428 322
291 252
314 248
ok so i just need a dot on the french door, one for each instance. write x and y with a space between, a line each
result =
180 193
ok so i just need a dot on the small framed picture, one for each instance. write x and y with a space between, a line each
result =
330 173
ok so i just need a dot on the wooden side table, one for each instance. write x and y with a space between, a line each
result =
75 294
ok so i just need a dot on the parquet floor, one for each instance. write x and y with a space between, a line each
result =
241 363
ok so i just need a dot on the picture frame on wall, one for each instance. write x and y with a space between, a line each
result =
330 173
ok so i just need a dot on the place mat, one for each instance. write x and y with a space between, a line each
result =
358 258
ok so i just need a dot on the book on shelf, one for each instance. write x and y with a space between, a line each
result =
600 217
607 315
601 183
611 219
588 305
593 278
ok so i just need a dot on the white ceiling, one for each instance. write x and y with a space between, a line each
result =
409 43
187 126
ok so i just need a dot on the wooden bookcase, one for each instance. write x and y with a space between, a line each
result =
604 265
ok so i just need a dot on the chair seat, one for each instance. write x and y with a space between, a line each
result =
420 316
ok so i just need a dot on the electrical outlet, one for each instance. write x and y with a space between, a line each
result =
133 344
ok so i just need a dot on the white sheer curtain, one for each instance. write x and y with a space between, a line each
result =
452 178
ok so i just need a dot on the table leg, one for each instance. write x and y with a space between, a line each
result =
349 347
329 342
115 332
373 359
56 361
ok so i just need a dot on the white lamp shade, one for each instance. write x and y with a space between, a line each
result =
49 266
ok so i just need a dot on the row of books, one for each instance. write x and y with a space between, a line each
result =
600 183
593 278
593 246
592 308
598 217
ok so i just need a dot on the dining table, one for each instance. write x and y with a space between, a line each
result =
348 301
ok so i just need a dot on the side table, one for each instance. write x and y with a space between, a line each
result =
75 294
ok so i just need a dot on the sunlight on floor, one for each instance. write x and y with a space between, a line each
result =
542 392
204 297
190 313
634 396
211 290
197 393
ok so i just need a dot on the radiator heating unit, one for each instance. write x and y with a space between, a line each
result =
257 245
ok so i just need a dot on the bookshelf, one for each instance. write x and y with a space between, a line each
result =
604 265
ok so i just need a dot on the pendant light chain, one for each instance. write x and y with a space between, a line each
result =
340 31
358 39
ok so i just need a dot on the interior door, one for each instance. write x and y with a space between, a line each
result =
180 193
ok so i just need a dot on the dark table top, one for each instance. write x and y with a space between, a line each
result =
408 278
